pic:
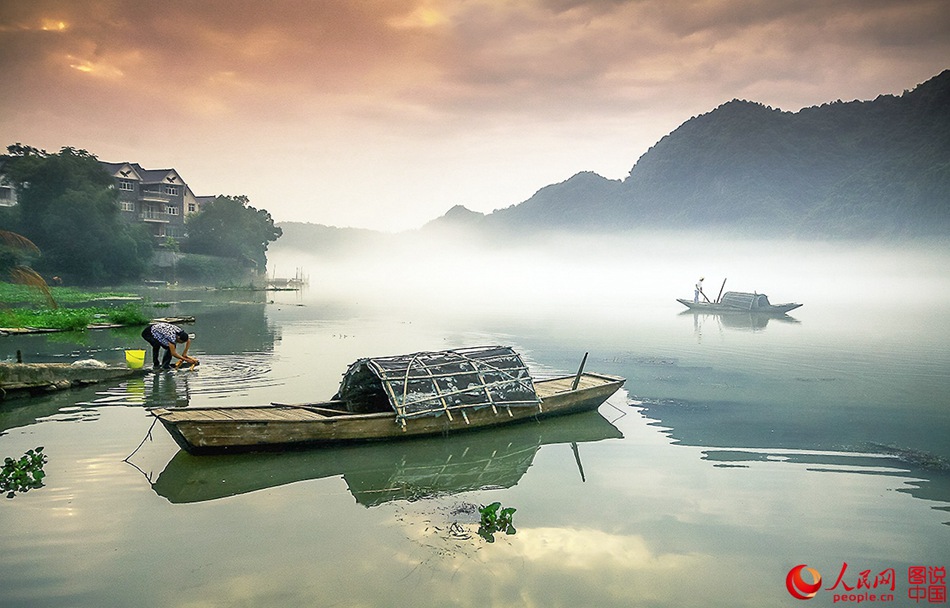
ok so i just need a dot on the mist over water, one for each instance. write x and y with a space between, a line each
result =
865 354
545 271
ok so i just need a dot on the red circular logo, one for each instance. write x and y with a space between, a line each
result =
797 585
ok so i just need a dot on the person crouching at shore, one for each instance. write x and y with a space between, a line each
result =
167 336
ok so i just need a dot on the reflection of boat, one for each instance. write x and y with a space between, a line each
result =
387 398
740 320
739 301
381 472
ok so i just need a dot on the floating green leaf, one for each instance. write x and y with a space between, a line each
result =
24 474
494 518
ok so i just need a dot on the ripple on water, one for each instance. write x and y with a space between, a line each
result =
216 375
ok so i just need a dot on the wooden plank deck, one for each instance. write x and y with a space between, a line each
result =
244 414
547 388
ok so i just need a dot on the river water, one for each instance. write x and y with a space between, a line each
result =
739 448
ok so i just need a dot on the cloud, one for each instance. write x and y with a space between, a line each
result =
540 89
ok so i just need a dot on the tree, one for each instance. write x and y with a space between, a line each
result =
69 208
230 227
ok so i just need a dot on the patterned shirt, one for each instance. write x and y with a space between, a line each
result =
165 333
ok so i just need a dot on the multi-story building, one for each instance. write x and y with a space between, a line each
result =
7 191
158 198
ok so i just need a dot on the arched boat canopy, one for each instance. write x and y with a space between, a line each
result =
745 301
441 382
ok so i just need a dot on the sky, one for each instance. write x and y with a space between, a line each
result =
385 114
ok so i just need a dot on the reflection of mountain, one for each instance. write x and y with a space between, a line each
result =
931 473
378 473
736 320
737 435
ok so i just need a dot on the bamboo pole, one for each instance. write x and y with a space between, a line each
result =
580 372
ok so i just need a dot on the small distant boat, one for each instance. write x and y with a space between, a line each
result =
740 301
387 398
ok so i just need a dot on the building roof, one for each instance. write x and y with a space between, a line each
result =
138 172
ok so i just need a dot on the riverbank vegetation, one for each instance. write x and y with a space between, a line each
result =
68 210
70 319
23 306
12 294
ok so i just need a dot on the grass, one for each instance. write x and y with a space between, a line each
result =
31 309
72 318
11 293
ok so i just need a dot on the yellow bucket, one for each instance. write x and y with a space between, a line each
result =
135 359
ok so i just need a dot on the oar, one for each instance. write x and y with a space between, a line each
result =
580 372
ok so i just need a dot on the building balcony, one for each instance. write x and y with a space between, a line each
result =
154 216
155 197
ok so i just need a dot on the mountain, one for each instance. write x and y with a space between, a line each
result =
855 169
329 241
584 197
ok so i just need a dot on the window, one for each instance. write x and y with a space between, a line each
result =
171 210
126 185
192 207
127 206
172 190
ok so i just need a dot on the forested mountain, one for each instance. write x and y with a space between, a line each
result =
854 169
861 168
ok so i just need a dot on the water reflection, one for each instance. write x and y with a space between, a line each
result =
376 474
926 477
750 321
735 443
227 323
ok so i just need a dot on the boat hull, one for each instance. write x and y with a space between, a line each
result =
710 307
211 430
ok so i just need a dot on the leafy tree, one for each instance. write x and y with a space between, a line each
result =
68 208
230 227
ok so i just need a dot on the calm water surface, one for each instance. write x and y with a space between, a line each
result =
740 448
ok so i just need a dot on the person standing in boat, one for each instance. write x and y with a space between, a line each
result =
698 289
167 336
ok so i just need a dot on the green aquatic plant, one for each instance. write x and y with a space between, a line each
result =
24 474
72 319
494 518
129 314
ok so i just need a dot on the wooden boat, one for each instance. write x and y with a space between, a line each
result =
380 472
387 398
739 301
